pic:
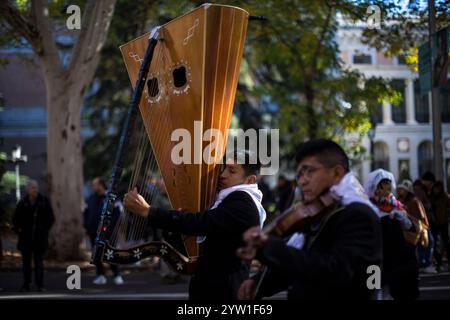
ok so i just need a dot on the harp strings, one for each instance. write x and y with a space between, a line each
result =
132 229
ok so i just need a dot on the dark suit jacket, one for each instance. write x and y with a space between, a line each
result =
33 223
219 272
333 264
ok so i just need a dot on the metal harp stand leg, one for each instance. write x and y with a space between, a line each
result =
108 205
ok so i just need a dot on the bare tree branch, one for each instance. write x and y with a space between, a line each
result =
97 17
325 30
49 52
15 19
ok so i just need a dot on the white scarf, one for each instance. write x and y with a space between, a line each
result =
252 190
373 179
349 190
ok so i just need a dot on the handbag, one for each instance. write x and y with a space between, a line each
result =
418 236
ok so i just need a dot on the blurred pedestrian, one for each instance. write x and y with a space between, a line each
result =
441 206
285 191
92 215
32 220
400 270
416 213
425 253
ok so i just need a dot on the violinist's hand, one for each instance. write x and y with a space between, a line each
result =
254 239
247 290
255 236
135 203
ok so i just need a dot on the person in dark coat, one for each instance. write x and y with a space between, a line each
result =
92 215
400 276
32 221
237 207
329 259
440 201
285 191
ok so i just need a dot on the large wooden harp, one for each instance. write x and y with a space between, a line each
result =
185 77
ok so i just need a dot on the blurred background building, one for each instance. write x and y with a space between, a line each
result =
402 139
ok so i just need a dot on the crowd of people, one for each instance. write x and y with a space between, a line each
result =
402 228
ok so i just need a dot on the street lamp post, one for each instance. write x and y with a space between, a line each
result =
16 159
371 135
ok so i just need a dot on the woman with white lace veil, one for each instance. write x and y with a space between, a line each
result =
400 270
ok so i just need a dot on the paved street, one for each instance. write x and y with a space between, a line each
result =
149 285
138 285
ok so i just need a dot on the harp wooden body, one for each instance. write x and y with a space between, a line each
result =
196 68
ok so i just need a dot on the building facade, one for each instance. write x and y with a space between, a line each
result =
403 140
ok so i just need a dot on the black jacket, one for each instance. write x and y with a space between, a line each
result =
333 263
219 272
400 268
33 222
93 212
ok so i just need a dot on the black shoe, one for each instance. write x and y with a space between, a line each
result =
25 288
41 289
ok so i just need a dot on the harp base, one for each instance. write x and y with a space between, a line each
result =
177 261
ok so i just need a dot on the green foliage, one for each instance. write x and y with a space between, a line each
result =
294 59
404 30
7 186
8 181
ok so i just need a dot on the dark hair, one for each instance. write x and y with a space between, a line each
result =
248 160
438 187
418 183
328 152
384 181
101 182
428 176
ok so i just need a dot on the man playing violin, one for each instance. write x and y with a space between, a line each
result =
331 261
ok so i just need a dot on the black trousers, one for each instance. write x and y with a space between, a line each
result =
221 287
441 230
100 269
29 255
404 282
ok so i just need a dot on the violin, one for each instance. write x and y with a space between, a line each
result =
294 219
299 216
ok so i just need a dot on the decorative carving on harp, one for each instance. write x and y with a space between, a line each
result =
185 75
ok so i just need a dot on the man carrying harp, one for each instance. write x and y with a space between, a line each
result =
237 207
185 75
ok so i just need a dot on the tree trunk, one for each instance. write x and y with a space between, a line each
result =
65 90
310 113
65 163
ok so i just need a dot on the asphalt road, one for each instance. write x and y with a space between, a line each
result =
141 284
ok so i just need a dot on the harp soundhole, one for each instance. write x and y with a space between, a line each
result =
179 77
153 89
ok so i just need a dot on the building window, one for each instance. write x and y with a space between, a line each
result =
401 59
381 155
378 114
361 58
445 102
403 170
399 110
425 157
421 103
